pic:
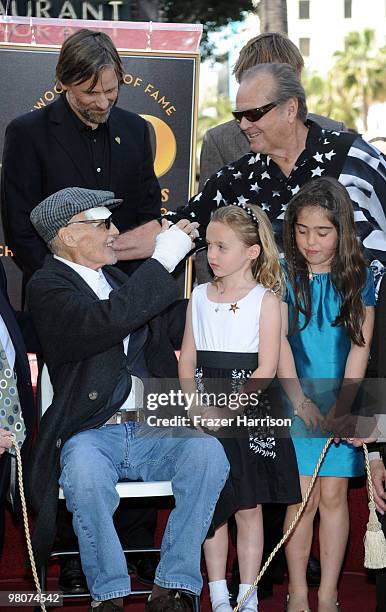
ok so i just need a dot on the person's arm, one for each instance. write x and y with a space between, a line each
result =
303 406
358 356
269 339
21 189
378 478
187 366
338 419
93 326
137 243
370 192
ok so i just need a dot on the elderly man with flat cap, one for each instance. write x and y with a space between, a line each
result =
100 331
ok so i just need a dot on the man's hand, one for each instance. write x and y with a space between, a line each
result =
340 425
5 440
378 478
139 243
357 442
188 227
356 430
173 243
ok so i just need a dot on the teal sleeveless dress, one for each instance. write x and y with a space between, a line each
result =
320 352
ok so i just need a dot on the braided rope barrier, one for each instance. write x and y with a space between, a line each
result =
290 528
25 520
374 534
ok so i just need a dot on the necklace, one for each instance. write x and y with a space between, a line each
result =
233 308
221 292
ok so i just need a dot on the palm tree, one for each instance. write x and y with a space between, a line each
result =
354 82
359 72
325 98
273 16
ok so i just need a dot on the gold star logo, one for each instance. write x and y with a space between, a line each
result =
234 307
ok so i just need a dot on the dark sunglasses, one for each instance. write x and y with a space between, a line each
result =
106 222
254 114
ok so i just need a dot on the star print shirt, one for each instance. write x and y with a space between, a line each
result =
256 179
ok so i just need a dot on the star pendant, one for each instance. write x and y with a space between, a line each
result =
233 308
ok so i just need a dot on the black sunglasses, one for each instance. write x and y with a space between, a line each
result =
254 114
106 222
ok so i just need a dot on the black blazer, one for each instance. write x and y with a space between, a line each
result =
44 152
23 383
81 337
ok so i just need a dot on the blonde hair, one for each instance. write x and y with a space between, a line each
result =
266 267
267 48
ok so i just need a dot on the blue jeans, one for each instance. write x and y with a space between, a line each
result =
93 461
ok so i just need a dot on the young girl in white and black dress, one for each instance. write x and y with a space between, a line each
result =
232 334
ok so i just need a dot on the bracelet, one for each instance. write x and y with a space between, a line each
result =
302 405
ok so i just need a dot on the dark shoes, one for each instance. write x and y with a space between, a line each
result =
72 581
106 606
145 569
173 601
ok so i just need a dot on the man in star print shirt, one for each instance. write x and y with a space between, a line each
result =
286 152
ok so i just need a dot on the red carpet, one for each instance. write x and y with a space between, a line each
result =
357 594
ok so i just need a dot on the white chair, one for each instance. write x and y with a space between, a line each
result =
125 489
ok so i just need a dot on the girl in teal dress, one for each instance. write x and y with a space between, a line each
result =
327 327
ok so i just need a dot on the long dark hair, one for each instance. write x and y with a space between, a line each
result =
348 267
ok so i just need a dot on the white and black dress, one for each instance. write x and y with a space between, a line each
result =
263 461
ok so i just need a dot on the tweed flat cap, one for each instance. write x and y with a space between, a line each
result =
58 209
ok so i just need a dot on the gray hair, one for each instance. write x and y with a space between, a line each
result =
54 245
287 84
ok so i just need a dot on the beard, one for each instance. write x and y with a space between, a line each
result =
92 116
89 115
